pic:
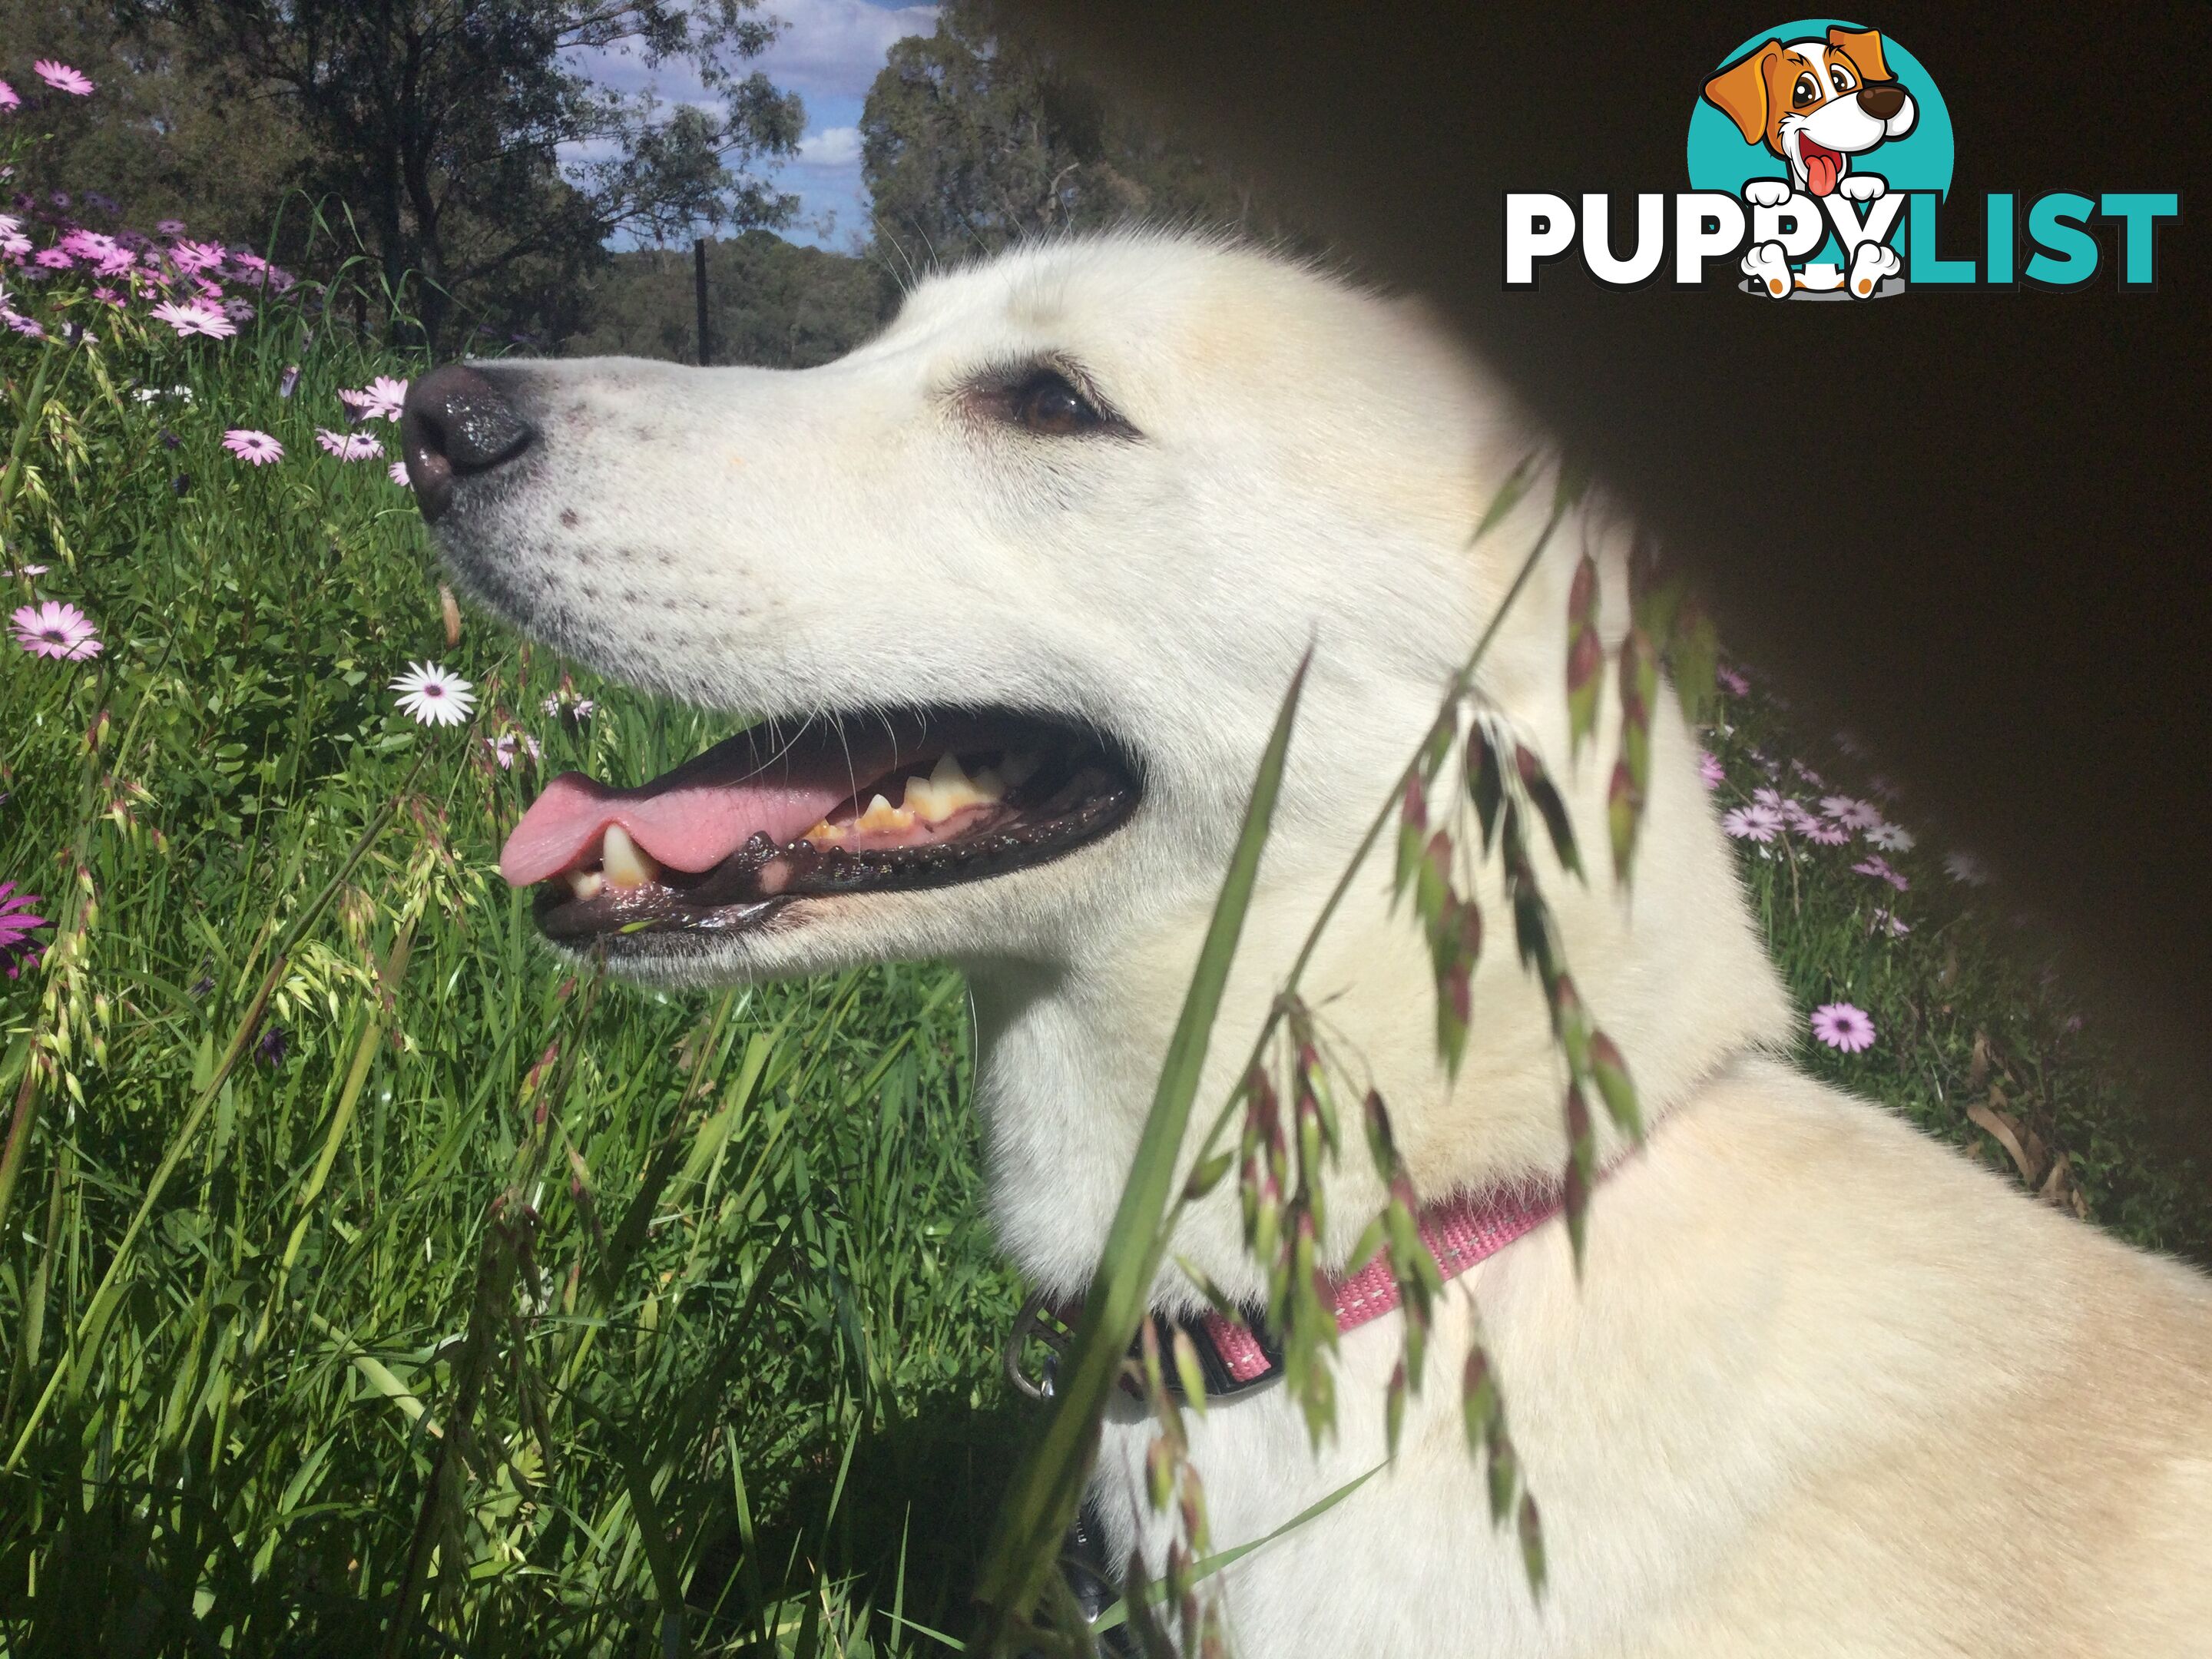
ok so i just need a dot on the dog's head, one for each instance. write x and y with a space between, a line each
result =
1815 103
1015 589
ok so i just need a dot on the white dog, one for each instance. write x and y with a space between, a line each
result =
1020 585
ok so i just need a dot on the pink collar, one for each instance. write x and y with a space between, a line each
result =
1460 1232
1237 1355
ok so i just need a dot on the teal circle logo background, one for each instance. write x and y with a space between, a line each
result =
1720 159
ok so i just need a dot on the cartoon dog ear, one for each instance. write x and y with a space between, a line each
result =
1739 92
1864 48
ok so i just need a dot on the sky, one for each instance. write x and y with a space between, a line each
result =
828 53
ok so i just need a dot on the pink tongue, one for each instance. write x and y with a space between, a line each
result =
690 827
1821 173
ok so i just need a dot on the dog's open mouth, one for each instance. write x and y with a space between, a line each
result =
1823 166
867 803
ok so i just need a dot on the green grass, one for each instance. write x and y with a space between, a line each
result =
1971 1007
764 1316
552 1316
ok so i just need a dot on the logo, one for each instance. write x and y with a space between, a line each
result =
1819 159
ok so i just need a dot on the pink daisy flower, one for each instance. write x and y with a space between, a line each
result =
1842 1026
399 475
1752 823
503 749
379 401
1823 833
349 446
18 922
31 570
1898 927
1878 867
1710 770
7 98
90 245
55 258
170 227
1732 683
62 631
1768 798
190 259
61 78
1851 812
256 447
23 325
192 317
239 311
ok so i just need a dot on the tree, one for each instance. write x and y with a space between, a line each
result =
772 303
972 137
448 126
156 140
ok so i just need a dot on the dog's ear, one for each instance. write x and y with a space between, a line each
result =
1864 48
1739 92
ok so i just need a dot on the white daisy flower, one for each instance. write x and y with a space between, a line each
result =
434 695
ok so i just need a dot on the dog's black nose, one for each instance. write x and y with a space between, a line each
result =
457 421
1882 100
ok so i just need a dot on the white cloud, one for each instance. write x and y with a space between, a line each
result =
829 53
835 46
832 147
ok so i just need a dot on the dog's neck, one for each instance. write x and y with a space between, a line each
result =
1671 970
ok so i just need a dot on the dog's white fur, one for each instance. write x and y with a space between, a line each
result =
1826 1387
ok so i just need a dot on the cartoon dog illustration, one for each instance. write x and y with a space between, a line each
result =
1816 104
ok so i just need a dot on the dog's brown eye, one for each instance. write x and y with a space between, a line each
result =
1047 404
1841 77
1808 92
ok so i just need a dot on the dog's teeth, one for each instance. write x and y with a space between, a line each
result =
586 883
882 815
948 789
824 833
625 864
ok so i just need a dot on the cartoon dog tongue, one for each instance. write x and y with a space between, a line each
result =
1822 167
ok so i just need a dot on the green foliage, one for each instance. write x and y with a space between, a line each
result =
669 1332
439 124
157 136
770 302
972 138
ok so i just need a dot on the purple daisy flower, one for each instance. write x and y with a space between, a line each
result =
1878 867
256 447
349 446
1752 823
61 78
192 317
18 922
1840 1025
52 630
